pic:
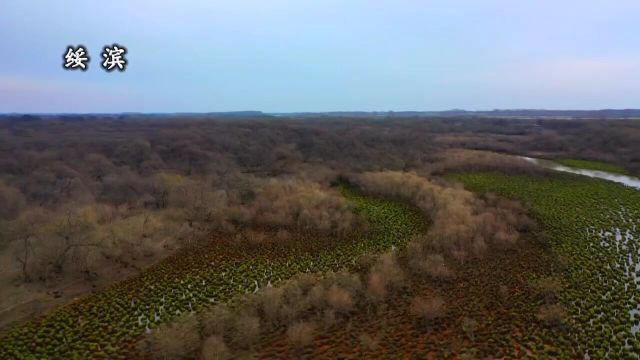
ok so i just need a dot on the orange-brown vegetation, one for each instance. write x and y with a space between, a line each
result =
552 315
463 225
468 320
427 310
300 334
476 160
385 275
214 348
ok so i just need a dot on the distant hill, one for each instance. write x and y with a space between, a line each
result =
136 115
522 113
508 113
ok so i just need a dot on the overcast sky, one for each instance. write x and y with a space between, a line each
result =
322 55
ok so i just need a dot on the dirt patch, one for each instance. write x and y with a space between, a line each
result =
23 301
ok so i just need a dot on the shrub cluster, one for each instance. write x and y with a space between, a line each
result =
300 307
463 225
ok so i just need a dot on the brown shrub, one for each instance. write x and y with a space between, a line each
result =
339 299
547 288
11 202
552 315
329 318
316 297
270 302
376 287
368 342
283 235
503 292
385 275
214 348
304 204
177 340
300 334
463 225
433 266
245 331
349 282
304 282
215 321
428 309
469 326
365 261
474 160
255 238
295 302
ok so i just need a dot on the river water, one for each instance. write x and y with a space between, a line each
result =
622 179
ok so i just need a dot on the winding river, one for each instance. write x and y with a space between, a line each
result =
622 179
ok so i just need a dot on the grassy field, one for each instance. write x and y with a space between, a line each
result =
593 227
107 324
592 165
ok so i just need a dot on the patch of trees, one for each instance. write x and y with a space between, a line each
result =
463 225
177 211
455 160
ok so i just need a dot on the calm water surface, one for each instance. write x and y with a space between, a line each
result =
622 179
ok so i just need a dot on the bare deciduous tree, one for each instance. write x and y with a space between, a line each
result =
73 231
24 233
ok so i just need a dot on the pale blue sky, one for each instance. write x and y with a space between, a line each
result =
322 55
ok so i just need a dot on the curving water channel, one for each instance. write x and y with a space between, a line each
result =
621 179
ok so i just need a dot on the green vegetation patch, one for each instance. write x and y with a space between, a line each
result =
107 324
592 165
595 226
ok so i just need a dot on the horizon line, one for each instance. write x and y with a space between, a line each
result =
315 112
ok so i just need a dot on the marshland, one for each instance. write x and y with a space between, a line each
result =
213 238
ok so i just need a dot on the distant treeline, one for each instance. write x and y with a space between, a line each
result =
520 113
497 113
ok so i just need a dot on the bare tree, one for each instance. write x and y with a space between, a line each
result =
23 258
72 232
11 202
24 253
163 185
24 233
